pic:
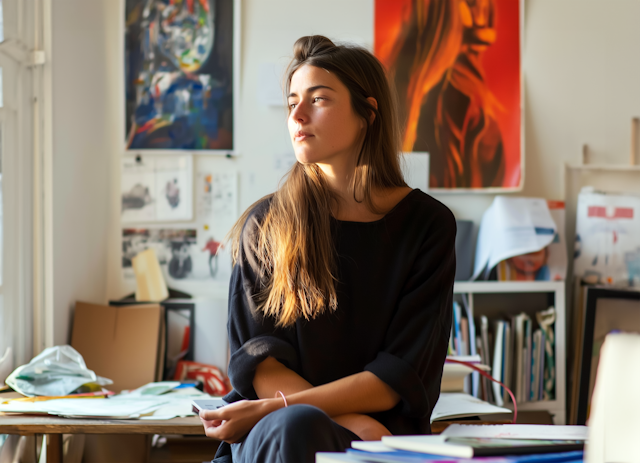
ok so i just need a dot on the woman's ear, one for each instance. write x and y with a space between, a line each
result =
373 102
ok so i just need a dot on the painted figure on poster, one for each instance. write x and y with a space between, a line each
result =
180 265
172 193
137 197
450 110
179 74
531 266
213 247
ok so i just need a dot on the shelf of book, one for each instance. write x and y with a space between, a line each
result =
498 300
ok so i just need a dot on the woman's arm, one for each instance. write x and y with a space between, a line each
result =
359 393
345 400
272 376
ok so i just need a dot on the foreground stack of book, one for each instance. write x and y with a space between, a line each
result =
465 443
520 349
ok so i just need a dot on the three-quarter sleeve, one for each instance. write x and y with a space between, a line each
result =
416 341
252 337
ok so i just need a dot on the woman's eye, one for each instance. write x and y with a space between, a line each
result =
292 105
315 100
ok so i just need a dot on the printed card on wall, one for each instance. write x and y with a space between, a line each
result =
607 248
184 254
217 197
157 189
217 209
456 68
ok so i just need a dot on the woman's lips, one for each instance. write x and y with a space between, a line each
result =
301 136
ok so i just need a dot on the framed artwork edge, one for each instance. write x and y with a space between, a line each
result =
591 300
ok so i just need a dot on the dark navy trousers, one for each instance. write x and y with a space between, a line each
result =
292 435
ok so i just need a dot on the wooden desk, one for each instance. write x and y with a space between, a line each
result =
54 428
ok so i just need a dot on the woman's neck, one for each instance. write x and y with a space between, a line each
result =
340 180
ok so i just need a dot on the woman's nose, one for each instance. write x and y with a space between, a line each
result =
299 113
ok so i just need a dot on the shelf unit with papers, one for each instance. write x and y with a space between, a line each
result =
496 299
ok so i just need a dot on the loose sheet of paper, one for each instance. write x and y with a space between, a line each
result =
374 446
115 408
461 405
511 227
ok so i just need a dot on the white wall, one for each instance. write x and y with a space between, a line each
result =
81 155
582 85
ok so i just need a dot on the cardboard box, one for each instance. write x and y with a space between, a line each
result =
123 344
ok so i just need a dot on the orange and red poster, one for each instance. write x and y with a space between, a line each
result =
456 67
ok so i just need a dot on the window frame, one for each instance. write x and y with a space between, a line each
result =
26 309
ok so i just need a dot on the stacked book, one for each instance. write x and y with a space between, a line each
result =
464 443
520 349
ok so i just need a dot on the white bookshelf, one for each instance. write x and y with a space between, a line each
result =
532 292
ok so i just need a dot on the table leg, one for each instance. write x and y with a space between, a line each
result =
54 448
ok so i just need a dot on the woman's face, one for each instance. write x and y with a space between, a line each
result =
323 126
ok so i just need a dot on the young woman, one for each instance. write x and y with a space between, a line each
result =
341 293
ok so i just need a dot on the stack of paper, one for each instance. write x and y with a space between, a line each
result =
113 408
153 401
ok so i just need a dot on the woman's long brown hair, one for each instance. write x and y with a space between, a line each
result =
294 245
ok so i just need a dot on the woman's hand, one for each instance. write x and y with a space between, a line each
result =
363 426
232 422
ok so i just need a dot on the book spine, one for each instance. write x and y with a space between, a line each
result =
497 362
541 354
508 360
534 365
527 360
458 336
519 340
475 377
484 334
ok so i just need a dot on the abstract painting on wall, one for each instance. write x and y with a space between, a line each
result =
456 67
179 74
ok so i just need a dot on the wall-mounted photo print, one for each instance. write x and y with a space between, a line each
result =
157 188
456 68
179 74
183 254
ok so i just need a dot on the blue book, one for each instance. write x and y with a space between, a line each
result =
457 331
468 447
405 456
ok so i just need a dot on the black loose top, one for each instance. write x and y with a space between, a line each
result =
394 291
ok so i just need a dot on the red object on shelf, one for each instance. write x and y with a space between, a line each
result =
214 381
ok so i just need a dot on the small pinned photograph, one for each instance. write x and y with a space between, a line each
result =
157 189
183 254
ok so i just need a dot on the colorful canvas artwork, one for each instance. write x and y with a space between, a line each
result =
179 74
456 67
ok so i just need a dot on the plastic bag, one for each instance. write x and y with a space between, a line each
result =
57 371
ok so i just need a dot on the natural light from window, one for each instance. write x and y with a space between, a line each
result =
1 196
1 23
